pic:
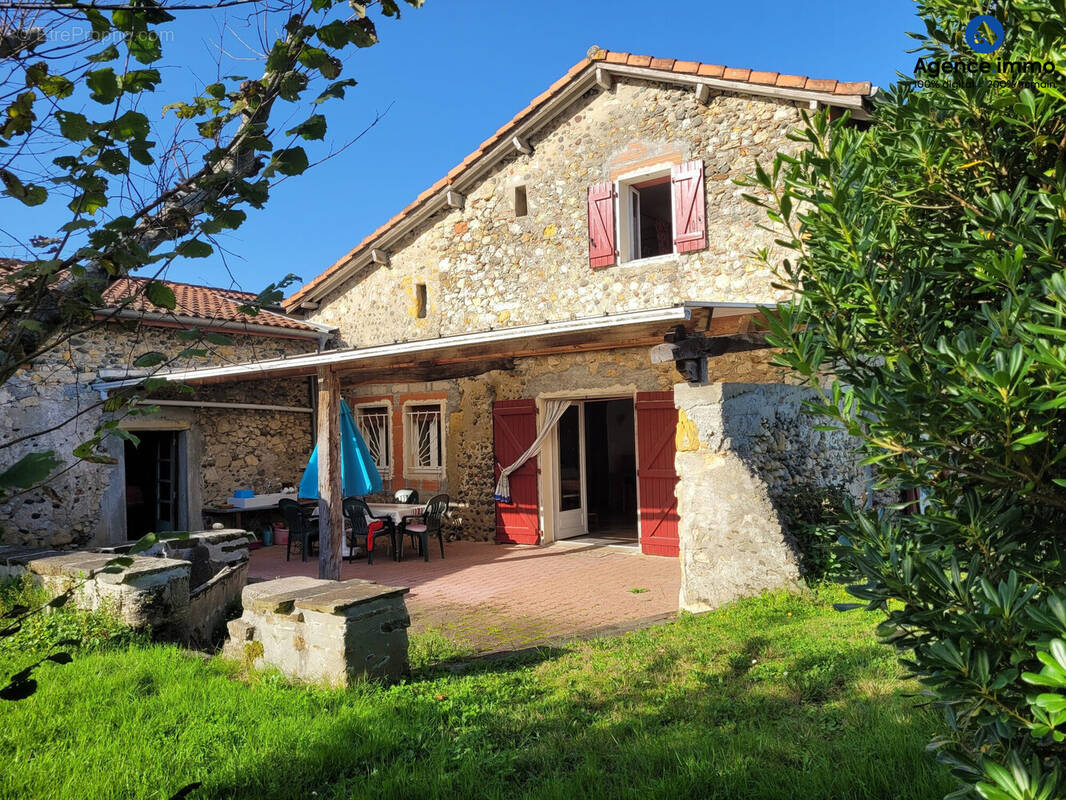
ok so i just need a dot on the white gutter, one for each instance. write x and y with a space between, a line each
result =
421 347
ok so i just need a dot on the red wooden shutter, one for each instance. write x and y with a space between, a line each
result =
514 427
656 474
601 225
690 225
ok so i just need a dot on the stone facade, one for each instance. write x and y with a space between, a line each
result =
484 267
740 447
225 449
468 475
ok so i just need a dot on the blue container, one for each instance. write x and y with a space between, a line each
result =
244 493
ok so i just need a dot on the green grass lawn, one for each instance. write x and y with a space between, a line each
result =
776 697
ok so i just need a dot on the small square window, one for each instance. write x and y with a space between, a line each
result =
646 218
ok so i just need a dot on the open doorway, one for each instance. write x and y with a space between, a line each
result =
596 476
153 483
611 467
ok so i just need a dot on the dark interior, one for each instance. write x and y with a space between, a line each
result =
610 468
656 227
151 477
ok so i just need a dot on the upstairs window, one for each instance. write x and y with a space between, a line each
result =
648 215
424 439
647 218
374 425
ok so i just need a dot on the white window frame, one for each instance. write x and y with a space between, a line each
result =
410 468
624 190
384 469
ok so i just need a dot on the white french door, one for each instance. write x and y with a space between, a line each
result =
571 518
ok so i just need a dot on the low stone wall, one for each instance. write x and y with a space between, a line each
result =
740 446
329 632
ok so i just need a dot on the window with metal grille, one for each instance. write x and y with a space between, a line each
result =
373 423
424 439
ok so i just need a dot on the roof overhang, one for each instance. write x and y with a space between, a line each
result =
474 353
310 330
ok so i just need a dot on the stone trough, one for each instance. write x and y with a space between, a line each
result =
180 589
330 632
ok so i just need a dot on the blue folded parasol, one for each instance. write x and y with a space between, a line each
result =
359 476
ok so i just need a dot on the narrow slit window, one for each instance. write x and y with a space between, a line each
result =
421 300
521 208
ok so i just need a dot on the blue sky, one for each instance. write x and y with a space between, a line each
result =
453 71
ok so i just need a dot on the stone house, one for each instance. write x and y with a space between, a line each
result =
194 451
599 222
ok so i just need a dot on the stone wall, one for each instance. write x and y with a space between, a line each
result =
485 267
470 459
84 504
740 447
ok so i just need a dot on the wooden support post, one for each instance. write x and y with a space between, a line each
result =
703 93
330 491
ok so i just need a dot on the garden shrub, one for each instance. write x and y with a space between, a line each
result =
812 515
926 254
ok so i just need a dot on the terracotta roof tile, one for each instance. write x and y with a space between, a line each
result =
667 65
769 78
820 85
852 87
201 302
791 81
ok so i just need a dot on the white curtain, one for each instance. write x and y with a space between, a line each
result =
553 412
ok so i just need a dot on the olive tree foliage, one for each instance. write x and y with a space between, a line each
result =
926 255
137 175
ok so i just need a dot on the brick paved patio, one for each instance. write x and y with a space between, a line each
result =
507 597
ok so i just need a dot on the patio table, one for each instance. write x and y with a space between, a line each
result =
394 511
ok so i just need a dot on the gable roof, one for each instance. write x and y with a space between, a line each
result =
207 304
597 67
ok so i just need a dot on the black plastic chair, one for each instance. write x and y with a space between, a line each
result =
405 496
298 518
362 522
420 528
